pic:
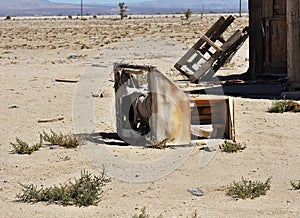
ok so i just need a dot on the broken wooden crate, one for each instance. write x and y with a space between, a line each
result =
211 51
213 117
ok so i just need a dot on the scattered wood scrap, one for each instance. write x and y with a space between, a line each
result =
50 120
13 107
66 81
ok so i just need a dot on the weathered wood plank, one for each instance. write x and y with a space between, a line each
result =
293 44
279 8
278 40
267 7
257 32
218 33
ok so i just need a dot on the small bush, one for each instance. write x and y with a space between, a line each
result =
248 189
70 16
195 214
22 147
123 9
231 147
68 141
295 185
284 106
142 214
160 144
8 18
187 13
85 191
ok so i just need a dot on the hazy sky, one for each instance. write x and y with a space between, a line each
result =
95 1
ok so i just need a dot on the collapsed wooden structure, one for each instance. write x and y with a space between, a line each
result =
150 106
207 56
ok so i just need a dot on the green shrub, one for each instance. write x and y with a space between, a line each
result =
284 106
231 147
68 141
248 189
123 9
85 191
21 147
187 13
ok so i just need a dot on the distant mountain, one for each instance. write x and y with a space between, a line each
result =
195 5
45 7
210 4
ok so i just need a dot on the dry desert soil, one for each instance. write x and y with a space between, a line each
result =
34 52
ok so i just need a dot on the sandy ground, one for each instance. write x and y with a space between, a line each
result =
36 52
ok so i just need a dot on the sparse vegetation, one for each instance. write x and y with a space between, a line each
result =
70 16
85 191
231 147
201 13
295 185
248 189
195 214
8 18
162 144
284 106
67 141
123 9
188 13
142 214
21 147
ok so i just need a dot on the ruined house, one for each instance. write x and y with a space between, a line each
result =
274 34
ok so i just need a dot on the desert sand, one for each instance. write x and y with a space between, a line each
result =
35 52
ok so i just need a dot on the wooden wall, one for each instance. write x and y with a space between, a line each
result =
268 38
293 44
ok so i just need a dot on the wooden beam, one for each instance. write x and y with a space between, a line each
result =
211 43
256 34
293 42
